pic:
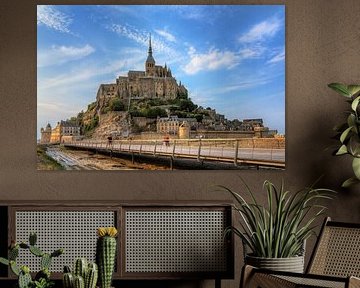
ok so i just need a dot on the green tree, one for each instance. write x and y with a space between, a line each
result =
155 112
92 125
115 104
91 106
187 105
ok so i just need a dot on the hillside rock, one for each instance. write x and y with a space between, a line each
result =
114 123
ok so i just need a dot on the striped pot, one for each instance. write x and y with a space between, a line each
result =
291 264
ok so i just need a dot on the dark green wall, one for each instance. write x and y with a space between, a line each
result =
322 46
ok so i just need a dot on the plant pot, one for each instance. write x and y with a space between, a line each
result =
291 264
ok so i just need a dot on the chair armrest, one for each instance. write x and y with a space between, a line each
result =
263 278
253 278
354 282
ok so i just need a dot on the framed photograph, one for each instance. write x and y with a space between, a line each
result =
159 87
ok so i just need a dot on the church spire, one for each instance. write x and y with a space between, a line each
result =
150 48
150 61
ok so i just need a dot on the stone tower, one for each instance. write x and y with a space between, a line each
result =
150 62
45 134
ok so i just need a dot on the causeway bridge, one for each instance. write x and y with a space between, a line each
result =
220 150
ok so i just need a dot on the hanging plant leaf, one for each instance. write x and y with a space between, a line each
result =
355 103
356 167
351 120
342 150
345 134
353 89
340 88
349 182
349 133
354 145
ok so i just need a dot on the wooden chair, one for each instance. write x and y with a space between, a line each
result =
335 262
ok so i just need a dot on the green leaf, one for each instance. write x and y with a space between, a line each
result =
349 182
340 88
342 150
341 127
355 103
4 261
353 89
345 134
356 167
354 145
351 120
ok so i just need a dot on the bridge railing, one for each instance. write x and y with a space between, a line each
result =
228 150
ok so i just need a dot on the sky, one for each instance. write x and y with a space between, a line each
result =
230 57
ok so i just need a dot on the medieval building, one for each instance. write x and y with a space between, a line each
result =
45 134
62 131
155 82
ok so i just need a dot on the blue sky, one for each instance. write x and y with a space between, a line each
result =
231 58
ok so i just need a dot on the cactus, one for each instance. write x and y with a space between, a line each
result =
23 245
36 251
81 266
91 276
105 254
68 278
45 261
57 253
14 252
79 282
14 267
24 277
4 261
42 278
87 272
32 239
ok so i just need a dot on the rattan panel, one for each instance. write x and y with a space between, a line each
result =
339 253
175 241
75 231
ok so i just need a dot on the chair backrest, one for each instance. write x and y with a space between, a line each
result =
337 251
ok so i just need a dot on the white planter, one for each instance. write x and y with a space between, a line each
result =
291 264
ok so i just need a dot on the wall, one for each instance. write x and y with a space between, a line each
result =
322 46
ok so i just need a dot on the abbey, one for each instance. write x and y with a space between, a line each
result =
155 82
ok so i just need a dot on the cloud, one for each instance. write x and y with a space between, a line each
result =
85 73
142 37
52 18
168 36
193 12
214 59
252 52
262 31
280 56
58 55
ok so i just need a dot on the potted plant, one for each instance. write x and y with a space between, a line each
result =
349 131
275 234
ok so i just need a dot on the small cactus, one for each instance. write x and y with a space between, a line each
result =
68 278
91 276
105 254
79 282
89 272
81 266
